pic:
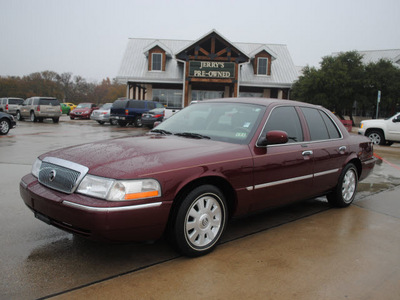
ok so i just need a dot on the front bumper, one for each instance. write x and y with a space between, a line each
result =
94 218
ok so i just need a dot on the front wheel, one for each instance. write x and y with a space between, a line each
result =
4 126
344 193
19 117
200 221
138 122
33 117
377 137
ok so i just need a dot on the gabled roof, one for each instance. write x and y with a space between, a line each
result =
134 64
263 48
157 43
205 37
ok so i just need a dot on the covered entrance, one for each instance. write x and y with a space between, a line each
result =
211 67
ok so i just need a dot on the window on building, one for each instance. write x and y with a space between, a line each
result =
198 95
262 66
170 98
156 62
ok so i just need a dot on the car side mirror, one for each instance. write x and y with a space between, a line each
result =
396 120
274 137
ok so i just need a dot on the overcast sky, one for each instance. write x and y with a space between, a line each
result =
88 37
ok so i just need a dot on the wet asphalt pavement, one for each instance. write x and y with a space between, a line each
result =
37 260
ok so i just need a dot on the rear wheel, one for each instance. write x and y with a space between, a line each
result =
377 137
4 126
56 120
344 193
199 221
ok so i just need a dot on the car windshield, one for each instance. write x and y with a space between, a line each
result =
84 105
106 106
220 121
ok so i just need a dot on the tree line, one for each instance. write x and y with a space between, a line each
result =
346 86
65 87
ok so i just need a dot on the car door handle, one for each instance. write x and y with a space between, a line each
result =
307 153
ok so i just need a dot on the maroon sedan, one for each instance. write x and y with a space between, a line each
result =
83 111
211 161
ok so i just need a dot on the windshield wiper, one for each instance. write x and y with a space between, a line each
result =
162 131
192 135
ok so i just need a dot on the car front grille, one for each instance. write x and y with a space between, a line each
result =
61 175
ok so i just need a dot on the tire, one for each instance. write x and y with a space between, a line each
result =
19 117
33 117
101 122
4 126
376 137
113 122
199 221
56 120
138 122
122 123
345 191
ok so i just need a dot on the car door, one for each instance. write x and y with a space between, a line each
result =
329 149
393 129
282 173
25 107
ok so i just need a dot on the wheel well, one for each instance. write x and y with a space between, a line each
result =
357 163
222 184
375 129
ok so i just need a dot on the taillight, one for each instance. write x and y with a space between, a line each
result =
126 112
158 116
6 107
38 108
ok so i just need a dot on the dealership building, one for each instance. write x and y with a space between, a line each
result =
177 72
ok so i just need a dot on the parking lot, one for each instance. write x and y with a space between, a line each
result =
303 251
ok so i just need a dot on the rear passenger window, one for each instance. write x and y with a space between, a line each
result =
137 104
285 118
320 125
150 105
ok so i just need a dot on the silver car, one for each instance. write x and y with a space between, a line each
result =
102 115
10 105
39 108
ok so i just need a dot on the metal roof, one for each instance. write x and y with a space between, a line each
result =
134 65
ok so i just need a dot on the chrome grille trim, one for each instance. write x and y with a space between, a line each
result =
61 175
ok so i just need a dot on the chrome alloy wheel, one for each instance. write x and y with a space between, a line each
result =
349 185
375 138
203 222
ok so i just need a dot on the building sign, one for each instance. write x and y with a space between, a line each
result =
211 69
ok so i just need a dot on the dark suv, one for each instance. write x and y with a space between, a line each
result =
130 111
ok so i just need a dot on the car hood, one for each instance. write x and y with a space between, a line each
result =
142 156
81 110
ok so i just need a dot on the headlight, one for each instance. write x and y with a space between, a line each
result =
36 167
119 190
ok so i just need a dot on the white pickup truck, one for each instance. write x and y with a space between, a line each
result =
382 131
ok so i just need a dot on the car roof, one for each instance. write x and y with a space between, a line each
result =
260 101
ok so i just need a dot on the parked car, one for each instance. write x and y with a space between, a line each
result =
83 111
382 131
7 122
10 105
209 162
130 111
65 109
71 105
39 108
102 115
152 116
